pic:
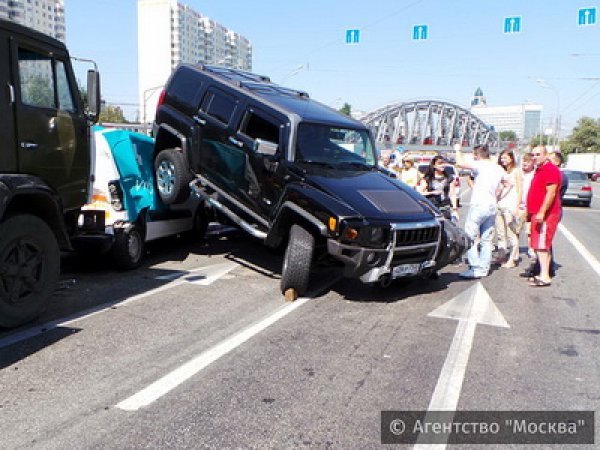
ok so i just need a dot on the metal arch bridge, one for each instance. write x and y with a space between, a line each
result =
429 125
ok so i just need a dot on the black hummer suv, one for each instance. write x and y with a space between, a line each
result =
45 165
286 168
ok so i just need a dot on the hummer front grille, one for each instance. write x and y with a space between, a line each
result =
416 236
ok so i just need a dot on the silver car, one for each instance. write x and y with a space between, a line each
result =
579 189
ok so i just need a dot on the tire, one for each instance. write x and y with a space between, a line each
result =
297 261
200 223
29 268
172 177
128 249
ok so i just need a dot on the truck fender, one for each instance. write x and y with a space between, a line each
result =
23 194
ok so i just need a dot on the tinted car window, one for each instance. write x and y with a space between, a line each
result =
257 127
37 83
185 87
65 98
219 105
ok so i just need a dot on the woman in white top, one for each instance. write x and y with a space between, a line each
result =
507 218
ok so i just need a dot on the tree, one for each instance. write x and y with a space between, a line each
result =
540 140
585 137
112 114
346 109
508 136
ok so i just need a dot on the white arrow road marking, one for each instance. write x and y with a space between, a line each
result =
206 275
472 307
201 275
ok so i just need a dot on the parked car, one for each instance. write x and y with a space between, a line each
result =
595 176
579 189
125 211
293 172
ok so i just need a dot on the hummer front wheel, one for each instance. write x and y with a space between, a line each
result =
297 262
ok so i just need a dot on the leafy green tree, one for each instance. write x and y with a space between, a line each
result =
585 137
508 136
540 140
112 114
346 109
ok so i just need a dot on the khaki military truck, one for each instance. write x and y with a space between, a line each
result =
45 165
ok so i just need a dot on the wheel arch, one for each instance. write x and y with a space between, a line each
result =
168 137
291 214
44 206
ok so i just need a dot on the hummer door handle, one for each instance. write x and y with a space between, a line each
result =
29 145
199 121
234 141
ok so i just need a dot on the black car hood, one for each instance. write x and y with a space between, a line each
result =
373 195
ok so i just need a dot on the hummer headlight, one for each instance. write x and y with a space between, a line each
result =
374 235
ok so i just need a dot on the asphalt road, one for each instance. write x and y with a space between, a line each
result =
239 367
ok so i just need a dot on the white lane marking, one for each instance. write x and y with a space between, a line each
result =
591 260
472 307
221 269
173 379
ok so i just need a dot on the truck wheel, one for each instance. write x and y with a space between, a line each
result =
172 177
128 248
29 268
201 220
297 262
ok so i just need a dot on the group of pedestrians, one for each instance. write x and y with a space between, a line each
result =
436 182
506 199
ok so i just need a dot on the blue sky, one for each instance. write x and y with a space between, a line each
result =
466 48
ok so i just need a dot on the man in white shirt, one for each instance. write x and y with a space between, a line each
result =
489 177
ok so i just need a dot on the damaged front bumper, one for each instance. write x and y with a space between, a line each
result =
436 244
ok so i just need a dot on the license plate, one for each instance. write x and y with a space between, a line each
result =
405 270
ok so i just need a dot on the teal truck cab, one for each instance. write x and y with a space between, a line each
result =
125 211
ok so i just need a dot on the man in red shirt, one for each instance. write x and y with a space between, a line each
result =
544 209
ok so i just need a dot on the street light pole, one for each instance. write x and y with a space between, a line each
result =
543 83
146 96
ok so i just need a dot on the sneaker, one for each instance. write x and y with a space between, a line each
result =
470 274
509 264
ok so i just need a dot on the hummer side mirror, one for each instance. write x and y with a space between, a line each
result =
265 147
93 95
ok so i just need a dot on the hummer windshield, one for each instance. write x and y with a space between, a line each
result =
333 146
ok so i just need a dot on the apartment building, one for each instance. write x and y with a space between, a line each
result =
170 33
524 120
47 16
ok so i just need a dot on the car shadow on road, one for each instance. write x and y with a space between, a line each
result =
400 290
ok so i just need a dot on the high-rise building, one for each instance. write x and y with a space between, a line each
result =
47 16
170 33
524 120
